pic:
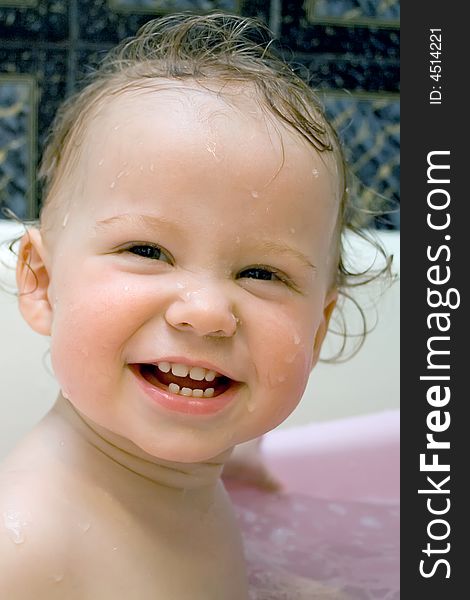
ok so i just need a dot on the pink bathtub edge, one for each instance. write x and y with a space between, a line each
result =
352 459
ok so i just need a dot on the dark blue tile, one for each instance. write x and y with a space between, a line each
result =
48 70
353 11
18 144
353 73
172 6
98 23
46 21
369 128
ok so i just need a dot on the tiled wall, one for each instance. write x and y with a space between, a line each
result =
350 47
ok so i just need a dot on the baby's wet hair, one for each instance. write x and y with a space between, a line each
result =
228 50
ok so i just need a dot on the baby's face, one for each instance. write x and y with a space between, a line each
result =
193 239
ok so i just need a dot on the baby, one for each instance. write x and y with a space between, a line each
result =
185 267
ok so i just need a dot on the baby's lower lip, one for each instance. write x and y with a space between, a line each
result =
160 394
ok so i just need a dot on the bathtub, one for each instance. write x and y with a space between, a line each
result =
333 531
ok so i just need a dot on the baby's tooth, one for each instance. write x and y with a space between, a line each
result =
197 373
180 370
198 393
186 391
174 388
210 376
209 392
164 367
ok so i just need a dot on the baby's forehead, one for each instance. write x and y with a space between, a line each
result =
192 100
214 113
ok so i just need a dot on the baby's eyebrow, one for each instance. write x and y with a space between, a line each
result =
270 246
149 221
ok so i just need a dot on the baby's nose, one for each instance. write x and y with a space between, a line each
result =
205 312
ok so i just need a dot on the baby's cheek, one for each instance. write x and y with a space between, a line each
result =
284 363
88 334
77 357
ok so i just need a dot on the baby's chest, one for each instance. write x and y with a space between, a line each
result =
129 562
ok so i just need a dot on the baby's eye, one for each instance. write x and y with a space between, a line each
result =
149 251
262 273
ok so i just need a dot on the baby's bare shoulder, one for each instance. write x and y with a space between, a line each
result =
34 535
30 568
32 545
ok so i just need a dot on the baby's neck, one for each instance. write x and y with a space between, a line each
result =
128 466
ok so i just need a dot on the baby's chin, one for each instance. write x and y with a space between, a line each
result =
192 454
189 451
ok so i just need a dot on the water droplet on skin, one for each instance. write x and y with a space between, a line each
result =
290 359
292 230
66 218
210 147
113 185
180 285
115 548
152 167
315 172
195 296
58 578
183 495
14 522
296 339
121 173
126 288
274 379
254 194
116 127
62 443
101 162
250 405
84 526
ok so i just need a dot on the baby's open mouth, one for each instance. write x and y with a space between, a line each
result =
184 380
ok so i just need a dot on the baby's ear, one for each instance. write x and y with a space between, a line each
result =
32 280
328 307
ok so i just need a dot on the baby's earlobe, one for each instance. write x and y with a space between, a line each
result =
32 280
330 304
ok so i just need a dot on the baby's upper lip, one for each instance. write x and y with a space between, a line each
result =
191 363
